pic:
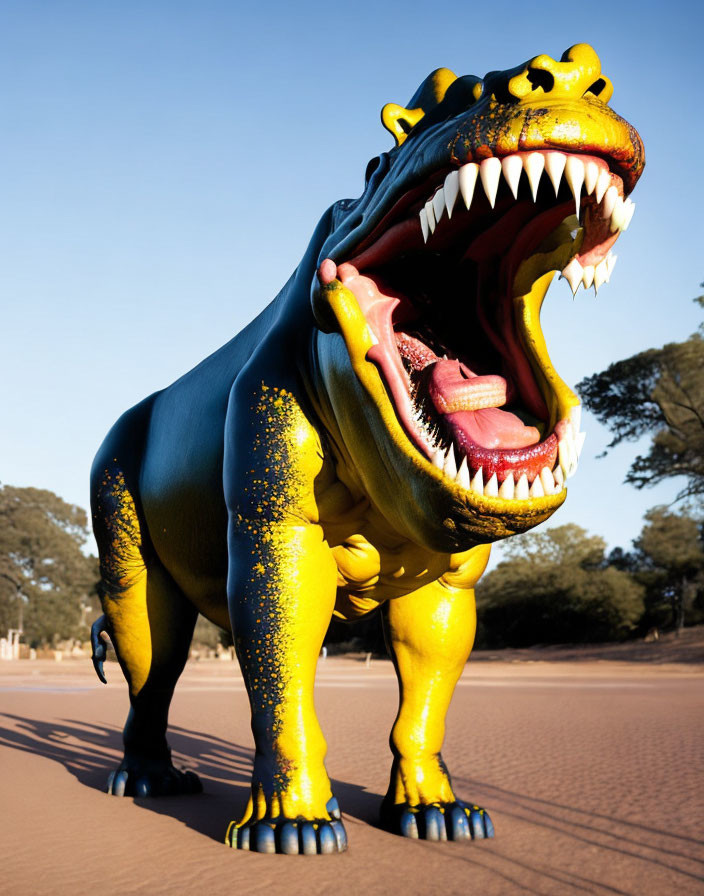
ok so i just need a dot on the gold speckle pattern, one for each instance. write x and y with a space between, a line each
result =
117 530
273 526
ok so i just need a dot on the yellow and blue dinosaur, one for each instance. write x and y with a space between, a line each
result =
360 445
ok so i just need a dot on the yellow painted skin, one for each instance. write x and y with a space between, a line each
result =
274 486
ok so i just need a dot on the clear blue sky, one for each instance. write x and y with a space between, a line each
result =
164 165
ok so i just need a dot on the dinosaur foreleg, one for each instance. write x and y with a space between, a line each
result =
430 634
283 605
282 582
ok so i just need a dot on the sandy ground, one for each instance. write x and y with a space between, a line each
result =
592 772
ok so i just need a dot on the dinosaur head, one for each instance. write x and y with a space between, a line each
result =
434 278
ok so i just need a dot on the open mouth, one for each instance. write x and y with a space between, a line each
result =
451 282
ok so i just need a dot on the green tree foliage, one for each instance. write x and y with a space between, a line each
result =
660 393
670 556
45 578
556 587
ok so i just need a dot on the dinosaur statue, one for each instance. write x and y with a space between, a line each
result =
364 440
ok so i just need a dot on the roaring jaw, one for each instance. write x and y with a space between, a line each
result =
450 284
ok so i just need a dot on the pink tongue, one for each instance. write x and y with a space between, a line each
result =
492 428
470 405
454 387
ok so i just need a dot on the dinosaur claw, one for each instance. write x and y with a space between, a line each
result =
100 650
98 666
289 839
477 824
333 808
263 838
459 824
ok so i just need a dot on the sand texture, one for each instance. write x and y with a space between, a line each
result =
593 772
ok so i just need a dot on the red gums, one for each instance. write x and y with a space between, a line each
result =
503 461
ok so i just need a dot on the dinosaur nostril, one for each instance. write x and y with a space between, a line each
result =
597 87
538 77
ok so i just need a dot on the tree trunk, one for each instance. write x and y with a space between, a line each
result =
678 606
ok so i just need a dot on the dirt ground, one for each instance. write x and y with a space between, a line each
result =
591 767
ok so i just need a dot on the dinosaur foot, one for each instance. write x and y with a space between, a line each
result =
438 821
291 836
151 777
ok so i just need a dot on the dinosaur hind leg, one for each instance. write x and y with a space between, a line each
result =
430 634
150 623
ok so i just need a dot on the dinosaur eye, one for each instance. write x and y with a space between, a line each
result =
540 78
597 87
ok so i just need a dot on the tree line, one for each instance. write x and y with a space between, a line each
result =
559 586
552 586
47 582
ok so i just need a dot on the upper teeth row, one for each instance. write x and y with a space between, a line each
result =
547 482
577 172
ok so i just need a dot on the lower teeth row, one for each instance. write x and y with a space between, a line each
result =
547 482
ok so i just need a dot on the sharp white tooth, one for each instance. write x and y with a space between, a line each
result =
512 167
548 480
490 173
423 215
588 276
601 275
559 478
607 206
617 216
554 165
574 175
468 179
491 489
477 483
450 468
536 489
462 477
431 215
439 458
506 489
610 264
576 417
372 336
573 274
566 456
522 488
602 184
591 175
534 163
629 208
579 443
439 204
563 455
451 188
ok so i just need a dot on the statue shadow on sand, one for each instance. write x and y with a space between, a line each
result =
90 751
